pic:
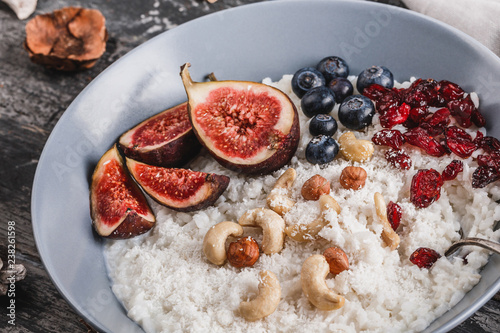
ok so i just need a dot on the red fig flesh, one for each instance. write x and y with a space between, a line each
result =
118 207
246 126
165 139
179 189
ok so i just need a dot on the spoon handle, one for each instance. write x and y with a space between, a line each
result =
487 244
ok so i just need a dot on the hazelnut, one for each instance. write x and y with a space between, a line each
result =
353 178
243 253
336 259
314 187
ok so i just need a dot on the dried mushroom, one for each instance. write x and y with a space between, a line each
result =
68 39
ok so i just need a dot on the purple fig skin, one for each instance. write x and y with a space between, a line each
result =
216 184
131 223
263 156
174 153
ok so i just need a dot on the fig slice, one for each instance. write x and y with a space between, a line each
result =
247 127
165 139
118 207
182 190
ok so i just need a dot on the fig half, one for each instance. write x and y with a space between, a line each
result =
182 190
247 127
118 207
166 139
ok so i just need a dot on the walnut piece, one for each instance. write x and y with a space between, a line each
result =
68 39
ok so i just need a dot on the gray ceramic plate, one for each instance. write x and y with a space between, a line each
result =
250 43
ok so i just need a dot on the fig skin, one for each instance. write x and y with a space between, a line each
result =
131 223
213 187
280 147
173 153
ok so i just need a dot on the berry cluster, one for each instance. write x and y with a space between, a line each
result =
434 114
433 131
320 88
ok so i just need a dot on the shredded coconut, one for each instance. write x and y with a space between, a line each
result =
167 285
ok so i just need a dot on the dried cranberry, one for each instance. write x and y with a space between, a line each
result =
483 176
376 92
488 143
385 98
450 91
420 138
437 122
442 141
416 116
419 113
425 187
452 170
424 257
424 92
479 136
398 159
492 161
391 138
477 118
395 115
459 141
462 110
394 214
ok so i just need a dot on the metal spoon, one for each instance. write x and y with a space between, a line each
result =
487 244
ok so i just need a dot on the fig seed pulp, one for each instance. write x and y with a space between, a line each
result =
165 139
179 189
246 126
118 207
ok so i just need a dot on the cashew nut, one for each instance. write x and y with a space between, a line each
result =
266 302
277 199
306 232
353 149
272 225
389 236
312 277
214 243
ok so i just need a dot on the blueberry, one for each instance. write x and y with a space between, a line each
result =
305 79
323 124
341 87
332 67
375 74
321 149
317 100
356 112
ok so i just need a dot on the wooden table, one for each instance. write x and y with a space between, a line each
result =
31 101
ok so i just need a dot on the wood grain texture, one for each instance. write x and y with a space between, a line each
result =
32 99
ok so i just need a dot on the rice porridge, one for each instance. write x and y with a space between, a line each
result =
167 284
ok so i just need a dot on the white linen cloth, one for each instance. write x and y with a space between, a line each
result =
479 19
